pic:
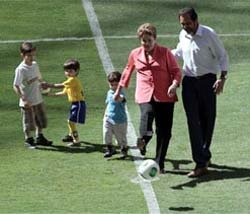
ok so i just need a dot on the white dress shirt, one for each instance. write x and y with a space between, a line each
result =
201 53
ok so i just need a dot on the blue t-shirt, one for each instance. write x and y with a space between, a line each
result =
115 111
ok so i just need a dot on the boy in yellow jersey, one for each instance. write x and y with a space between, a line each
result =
73 88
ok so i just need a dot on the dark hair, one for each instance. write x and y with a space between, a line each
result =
72 64
190 11
27 47
114 76
146 28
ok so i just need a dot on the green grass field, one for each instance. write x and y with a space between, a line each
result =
62 180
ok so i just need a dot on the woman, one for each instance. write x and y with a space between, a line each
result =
158 76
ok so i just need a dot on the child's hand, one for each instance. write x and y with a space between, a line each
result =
50 94
44 85
45 91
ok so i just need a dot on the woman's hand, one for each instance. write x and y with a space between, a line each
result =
172 89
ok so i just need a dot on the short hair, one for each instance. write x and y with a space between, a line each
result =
190 11
114 76
72 64
146 28
27 47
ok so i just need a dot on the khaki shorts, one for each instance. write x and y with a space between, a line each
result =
34 117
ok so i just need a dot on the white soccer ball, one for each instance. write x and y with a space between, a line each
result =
148 169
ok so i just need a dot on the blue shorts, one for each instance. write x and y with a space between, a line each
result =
77 112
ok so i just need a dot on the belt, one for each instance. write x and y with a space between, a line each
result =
202 76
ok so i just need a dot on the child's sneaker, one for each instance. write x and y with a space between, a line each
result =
67 138
41 140
74 144
29 142
110 151
124 152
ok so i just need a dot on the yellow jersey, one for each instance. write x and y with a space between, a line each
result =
73 88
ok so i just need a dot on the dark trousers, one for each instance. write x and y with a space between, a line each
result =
199 102
162 114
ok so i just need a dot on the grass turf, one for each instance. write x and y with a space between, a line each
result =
62 180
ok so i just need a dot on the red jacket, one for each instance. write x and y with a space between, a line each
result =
154 77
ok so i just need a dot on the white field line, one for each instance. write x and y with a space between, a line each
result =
62 39
146 187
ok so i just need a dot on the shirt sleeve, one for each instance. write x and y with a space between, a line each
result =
127 72
67 84
174 67
18 78
219 52
107 98
177 52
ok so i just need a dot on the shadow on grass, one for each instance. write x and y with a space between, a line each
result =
86 147
216 172
181 209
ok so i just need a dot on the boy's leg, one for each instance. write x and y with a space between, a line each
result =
28 126
74 133
107 137
77 115
41 123
120 132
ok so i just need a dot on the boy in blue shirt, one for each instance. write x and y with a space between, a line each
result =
115 118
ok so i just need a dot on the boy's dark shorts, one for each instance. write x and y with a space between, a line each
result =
78 112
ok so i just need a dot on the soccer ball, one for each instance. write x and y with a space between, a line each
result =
148 169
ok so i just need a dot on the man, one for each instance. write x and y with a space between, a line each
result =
203 57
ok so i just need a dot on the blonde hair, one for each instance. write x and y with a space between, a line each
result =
146 28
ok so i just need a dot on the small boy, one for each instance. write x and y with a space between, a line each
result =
27 86
115 118
72 87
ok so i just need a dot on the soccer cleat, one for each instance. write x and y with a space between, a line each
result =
110 151
29 142
124 152
67 138
41 140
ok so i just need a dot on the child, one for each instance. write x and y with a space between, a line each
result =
115 118
27 86
73 88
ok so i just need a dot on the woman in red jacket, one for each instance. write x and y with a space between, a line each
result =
157 78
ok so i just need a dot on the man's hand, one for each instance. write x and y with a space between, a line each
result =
219 86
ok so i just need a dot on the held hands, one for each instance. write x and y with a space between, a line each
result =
117 96
45 88
44 85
